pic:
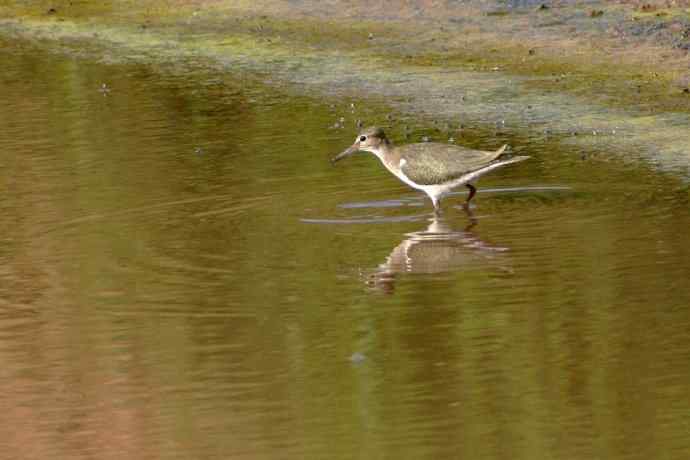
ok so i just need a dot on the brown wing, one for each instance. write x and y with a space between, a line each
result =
432 163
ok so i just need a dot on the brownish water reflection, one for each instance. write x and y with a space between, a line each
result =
437 249
164 295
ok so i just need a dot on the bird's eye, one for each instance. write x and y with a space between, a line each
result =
362 138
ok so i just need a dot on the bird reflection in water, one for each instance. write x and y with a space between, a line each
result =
437 249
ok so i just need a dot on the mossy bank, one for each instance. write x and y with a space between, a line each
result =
609 76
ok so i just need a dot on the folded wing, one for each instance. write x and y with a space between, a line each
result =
428 164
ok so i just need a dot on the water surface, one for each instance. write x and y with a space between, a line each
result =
183 274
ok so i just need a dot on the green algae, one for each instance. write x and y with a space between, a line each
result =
390 40
484 83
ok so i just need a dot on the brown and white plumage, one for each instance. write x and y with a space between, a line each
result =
432 163
431 167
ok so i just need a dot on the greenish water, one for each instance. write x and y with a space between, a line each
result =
183 274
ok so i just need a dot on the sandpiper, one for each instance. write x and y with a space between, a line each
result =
432 167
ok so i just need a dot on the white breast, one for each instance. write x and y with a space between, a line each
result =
401 175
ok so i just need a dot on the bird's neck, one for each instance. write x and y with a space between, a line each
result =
388 156
383 151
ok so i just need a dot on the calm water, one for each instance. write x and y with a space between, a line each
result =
184 275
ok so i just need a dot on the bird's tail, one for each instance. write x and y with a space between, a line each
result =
508 160
516 159
502 150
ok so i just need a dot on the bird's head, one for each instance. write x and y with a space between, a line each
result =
371 139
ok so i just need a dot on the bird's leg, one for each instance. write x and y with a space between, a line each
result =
470 216
472 192
437 205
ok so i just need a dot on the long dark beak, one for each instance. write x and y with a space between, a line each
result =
352 149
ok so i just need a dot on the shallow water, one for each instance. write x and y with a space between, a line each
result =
183 274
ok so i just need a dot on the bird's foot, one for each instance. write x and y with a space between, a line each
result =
470 215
